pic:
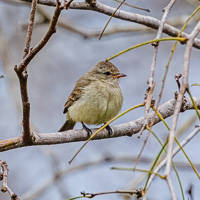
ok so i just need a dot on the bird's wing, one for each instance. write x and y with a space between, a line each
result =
76 93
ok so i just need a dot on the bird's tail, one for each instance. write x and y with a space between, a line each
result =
68 125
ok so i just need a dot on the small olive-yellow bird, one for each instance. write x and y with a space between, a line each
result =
96 97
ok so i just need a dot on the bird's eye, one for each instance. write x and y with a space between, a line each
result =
107 73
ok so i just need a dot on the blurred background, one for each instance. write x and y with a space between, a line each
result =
52 75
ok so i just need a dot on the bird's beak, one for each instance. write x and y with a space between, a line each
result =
118 76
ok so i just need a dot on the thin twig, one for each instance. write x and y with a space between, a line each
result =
185 23
138 193
175 151
151 81
4 177
39 189
121 3
179 102
133 6
30 27
159 34
85 33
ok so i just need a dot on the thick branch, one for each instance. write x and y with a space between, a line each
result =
125 129
124 15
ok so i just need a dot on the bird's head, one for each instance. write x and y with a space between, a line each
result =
106 71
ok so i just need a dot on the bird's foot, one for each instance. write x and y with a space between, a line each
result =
109 129
89 131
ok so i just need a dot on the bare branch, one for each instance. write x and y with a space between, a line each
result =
159 34
118 7
44 40
125 129
30 27
22 75
3 177
38 190
21 69
175 151
42 187
151 80
124 15
137 193
179 102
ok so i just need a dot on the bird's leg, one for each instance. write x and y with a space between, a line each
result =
109 129
89 132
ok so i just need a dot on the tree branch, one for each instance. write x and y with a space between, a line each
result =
124 15
29 54
177 108
23 76
137 193
125 129
4 177
185 141
30 27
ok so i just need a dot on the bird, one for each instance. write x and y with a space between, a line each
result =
95 99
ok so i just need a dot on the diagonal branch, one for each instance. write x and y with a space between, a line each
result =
125 129
44 40
185 141
124 15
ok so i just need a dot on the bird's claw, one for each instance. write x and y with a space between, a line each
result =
109 129
89 131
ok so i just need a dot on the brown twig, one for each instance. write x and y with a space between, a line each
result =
30 27
3 177
44 40
133 6
177 78
23 76
21 68
121 3
138 193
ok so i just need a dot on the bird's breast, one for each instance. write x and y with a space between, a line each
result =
98 103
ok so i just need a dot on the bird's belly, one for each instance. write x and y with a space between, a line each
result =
96 107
